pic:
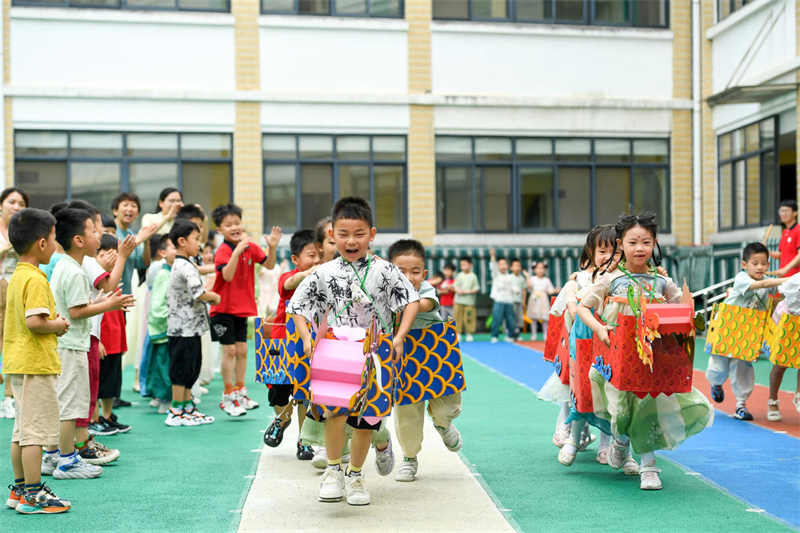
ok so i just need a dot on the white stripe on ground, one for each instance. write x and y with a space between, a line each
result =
445 497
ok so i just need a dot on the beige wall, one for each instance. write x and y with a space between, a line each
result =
709 139
681 167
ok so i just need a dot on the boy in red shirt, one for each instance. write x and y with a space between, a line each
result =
306 259
235 263
446 291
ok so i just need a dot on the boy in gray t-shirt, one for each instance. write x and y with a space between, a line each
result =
751 290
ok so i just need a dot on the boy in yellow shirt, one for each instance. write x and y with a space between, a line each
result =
31 361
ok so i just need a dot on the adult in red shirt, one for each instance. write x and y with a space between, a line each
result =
789 247
305 257
235 262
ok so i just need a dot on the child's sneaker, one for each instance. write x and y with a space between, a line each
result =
320 459
384 459
43 502
273 436
451 437
244 399
7 409
357 493
304 453
629 466
75 468
331 486
717 394
616 454
407 471
163 408
155 402
192 412
230 404
93 457
774 415
101 430
103 450
494 340
178 417
113 422
742 413
16 494
469 337
49 464
649 478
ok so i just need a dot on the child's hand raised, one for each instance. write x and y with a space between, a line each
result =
274 236
686 296
126 247
106 259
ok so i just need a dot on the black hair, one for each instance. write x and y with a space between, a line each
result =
7 192
515 260
188 211
534 264
791 204
603 235
300 239
69 223
159 242
209 244
406 247
221 211
108 221
438 274
449 266
27 226
752 249
628 221
319 230
125 197
163 196
56 207
182 228
466 258
352 208
86 206
108 242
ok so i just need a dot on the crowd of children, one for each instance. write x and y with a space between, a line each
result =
70 276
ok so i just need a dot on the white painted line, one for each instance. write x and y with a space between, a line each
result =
250 477
781 432
261 430
755 510
505 510
477 474
693 473
235 511
259 450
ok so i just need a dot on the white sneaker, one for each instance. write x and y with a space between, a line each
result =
384 460
177 418
649 478
796 401
155 402
774 416
163 408
509 339
7 408
357 493
407 471
320 459
203 390
103 452
331 486
469 337
75 468
49 464
494 340
345 458
200 417
230 404
616 454
244 399
451 437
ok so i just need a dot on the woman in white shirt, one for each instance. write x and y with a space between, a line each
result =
169 202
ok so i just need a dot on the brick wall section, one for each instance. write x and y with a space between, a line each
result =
709 139
681 182
248 190
421 156
8 122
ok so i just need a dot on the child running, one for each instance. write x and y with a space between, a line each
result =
352 289
649 424
409 256
750 290
31 362
791 304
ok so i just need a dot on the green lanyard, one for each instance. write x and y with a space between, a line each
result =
641 287
364 289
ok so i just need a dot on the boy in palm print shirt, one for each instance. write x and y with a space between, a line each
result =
352 289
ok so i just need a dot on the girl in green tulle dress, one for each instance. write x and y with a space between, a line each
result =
649 424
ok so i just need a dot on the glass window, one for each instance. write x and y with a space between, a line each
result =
739 191
389 148
206 145
316 146
726 7
277 6
97 183
767 128
45 182
569 11
351 147
537 209
40 143
573 150
450 9
613 193
575 199
653 13
354 181
650 191
313 7
385 8
534 10
456 191
753 190
612 151
189 5
204 5
351 7
96 145
725 147
497 208
316 193
280 195
207 184
490 9
453 149
148 179
534 150
152 145
390 196
726 196
493 149
612 12
651 151
97 3
737 143
769 195
151 4
279 146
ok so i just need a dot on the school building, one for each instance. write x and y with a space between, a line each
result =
469 124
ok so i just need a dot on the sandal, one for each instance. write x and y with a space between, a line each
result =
566 458
774 416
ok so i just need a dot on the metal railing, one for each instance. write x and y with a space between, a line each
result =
710 295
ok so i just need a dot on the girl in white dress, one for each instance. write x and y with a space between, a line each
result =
541 288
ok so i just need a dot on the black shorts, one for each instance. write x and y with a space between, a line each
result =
279 395
185 359
228 329
352 421
110 376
